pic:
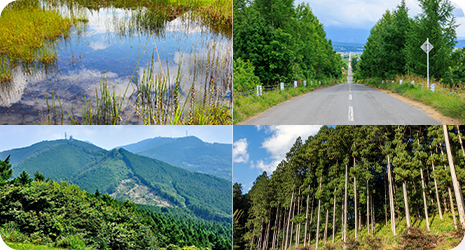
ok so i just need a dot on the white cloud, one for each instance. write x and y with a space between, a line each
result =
278 144
240 151
362 14
99 45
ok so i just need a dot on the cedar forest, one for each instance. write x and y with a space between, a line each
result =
44 212
352 182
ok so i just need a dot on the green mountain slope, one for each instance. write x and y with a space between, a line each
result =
189 153
125 175
18 155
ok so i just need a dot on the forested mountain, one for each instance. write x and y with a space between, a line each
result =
124 175
189 153
282 43
45 212
355 178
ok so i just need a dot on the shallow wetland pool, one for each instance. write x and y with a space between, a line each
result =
153 69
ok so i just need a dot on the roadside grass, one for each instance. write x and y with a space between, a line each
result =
442 234
248 107
452 106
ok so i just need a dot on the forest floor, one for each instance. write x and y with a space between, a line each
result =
442 236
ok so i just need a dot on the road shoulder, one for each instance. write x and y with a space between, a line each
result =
429 110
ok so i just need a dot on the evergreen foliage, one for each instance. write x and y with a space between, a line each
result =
394 45
91 168
283 42
62 215
391 179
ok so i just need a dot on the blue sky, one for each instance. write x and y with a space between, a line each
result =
107 137
261 148
363 14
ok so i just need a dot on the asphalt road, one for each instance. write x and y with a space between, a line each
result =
343 104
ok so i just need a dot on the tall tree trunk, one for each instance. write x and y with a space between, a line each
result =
276 228
297 236
391 198
345 208
326 226
292 226
342 220
334 213
265 246
407 212
306 217
450 195
368 208
359 219
288 221
424 198
259 243
455 182
385 196
311 220
373 222
452 207
318 221
355 203
437 193
284 226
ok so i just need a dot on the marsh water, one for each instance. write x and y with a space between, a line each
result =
115 46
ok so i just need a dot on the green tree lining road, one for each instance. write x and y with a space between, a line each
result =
348 104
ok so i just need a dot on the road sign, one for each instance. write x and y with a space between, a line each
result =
427 47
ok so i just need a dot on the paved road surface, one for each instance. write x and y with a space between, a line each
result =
341 104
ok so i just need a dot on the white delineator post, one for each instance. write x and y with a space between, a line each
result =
427 47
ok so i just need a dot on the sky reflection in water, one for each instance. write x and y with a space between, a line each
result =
107 46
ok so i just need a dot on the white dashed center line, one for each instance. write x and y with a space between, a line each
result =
351 114
350 96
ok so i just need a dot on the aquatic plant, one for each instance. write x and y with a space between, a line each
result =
25 29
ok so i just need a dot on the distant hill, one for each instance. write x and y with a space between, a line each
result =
347 35
125 175
347 47
189 153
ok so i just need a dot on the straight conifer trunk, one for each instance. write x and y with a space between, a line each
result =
288 221
355 200
276 229
334 214
391 199
311 221
385 197
455 182
437 193
373 223
306 217
318 221
450 194
452 207
326 226
407 212
284 226
424 198
345 208
292 226
368 208
297 236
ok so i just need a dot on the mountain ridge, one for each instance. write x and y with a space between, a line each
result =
125 175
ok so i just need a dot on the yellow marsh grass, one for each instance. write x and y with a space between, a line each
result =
26 31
